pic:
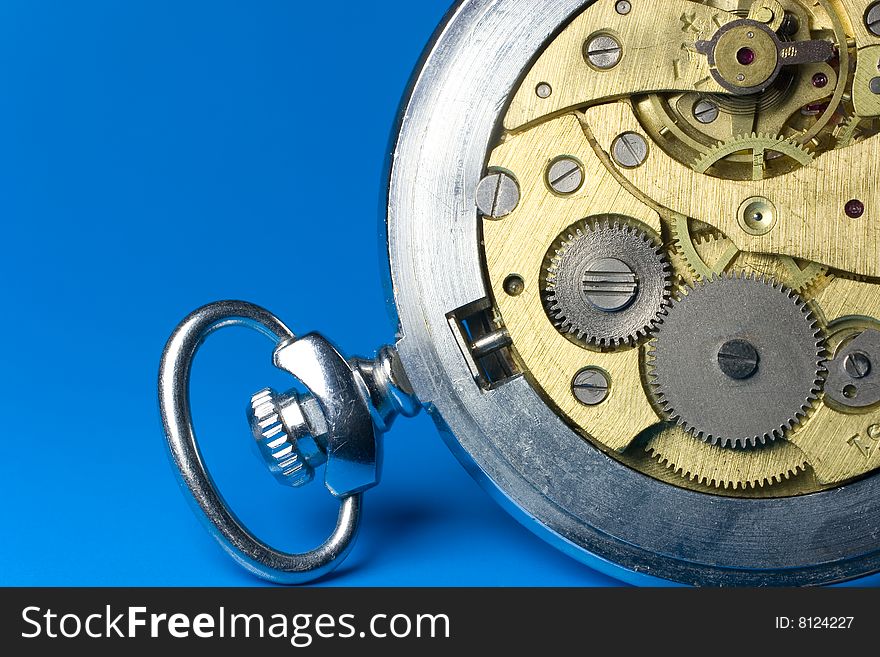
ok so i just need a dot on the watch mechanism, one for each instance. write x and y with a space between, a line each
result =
681 231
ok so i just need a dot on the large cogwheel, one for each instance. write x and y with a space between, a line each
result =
607 282
761 147
737 361
716 466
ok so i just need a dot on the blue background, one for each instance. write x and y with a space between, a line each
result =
155 156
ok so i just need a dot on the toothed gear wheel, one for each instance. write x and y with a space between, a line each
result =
854 129
686 239
606 258
759 145
691 351
719 467
848 131
706 254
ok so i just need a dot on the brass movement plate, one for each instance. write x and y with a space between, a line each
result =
782 184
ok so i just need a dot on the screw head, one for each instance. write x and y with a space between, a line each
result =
603 52
738 359
610 285
872 19
705 111
857 365
591 386
565 175
497 195
630 150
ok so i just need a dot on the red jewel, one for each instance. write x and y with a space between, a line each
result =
745 56
855 209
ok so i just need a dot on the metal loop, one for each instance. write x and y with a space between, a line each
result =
224 526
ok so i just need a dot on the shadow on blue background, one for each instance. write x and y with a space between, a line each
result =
159 155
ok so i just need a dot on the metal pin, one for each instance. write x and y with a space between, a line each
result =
490 343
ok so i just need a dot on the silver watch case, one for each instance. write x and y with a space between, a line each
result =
590 506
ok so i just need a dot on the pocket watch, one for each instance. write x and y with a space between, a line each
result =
634 252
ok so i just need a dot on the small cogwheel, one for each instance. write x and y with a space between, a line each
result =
709 253
848 131
855 129
607 282
686 243
759 145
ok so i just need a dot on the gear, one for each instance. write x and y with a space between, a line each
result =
702 232
606 282
854 129
798 275
708 253
759 145
685 237
712 465
737 361
848 131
